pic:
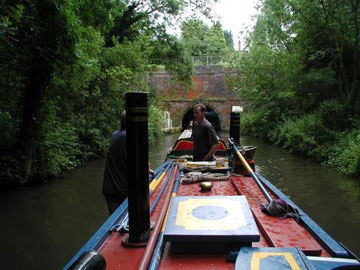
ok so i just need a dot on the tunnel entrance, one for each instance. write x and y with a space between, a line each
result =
210 115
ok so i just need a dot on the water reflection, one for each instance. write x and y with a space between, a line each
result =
43 226
160 149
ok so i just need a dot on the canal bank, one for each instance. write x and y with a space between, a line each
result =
44 226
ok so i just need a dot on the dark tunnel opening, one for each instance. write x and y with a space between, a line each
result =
210 115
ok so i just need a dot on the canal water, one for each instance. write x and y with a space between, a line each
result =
42 227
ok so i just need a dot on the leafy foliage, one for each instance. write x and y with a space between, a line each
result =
300 79
193 33
271 93
199 39
229 39
301 135
66 68
155 121
345 154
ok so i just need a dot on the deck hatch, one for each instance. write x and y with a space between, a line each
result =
225 221
272 259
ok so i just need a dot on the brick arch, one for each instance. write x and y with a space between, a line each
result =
178 109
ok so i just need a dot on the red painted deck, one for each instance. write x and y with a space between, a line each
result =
220 188
195 261
278 233
273 232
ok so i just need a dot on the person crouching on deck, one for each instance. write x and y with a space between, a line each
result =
203 133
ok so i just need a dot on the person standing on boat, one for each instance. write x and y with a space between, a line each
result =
115 183
115 186
203 133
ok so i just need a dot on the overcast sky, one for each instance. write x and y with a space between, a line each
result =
235 16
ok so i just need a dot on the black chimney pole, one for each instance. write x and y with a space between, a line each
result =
137 147
235 126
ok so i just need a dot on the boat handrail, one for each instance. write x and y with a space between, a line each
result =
186 134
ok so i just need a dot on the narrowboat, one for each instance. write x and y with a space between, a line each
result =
211 215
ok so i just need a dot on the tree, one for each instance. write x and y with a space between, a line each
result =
138 15
229 39
199 39
215 40
300 78
36 34
326 34
193 33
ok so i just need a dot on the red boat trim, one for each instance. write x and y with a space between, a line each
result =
183 145
222 146
189 145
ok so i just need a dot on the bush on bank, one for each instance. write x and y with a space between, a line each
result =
307 136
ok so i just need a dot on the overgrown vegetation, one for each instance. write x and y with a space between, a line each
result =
208 45
65 68
300 79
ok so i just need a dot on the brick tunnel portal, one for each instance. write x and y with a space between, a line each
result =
213 86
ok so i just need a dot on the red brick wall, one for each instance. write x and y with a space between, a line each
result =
212 86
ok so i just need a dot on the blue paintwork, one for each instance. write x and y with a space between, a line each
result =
263 190
177 183
332 246
165 166
159 170
278 261
103 232
331 263
158 196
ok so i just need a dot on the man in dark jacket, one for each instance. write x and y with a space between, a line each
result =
115 186
115 182
203 133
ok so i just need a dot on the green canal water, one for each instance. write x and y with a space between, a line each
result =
42 227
